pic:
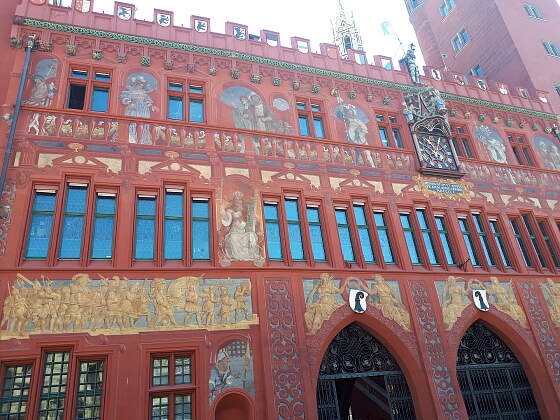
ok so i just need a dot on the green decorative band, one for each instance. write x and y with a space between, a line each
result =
267 61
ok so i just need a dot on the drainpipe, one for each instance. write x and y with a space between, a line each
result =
8 154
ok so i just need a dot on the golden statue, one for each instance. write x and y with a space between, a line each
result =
192 306
318 312
227 305
241 292
389 305
506 301
208 295
454 302
163 305
553 290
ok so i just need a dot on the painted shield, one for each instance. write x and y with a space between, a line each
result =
82 5
357 299
163 19
124 13
480 300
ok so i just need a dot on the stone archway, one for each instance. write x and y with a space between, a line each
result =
492 381
233 406
359 376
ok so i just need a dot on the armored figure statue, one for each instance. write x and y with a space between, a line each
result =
410 61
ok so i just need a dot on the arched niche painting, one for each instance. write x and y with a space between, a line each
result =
549 152
354 121
138 101
249 111
43 83
232 367
240 232
493 143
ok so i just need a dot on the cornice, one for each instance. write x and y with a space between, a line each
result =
266 61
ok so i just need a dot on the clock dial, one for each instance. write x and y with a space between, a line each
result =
436 153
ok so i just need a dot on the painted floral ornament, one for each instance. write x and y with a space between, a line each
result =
315 89
481 117
509 123
352 94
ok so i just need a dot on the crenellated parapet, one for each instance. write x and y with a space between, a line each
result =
166 43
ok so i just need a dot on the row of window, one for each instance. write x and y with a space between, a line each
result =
75 218
171 388
89 89
294 230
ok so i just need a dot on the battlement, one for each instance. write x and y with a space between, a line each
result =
236 42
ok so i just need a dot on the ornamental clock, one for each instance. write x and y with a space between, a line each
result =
425 112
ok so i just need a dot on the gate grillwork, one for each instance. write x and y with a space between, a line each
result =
492 381
359 360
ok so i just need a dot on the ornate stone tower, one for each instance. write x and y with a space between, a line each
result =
345 32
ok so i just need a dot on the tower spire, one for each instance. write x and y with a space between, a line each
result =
346 34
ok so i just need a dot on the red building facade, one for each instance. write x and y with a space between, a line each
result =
509 45
208 225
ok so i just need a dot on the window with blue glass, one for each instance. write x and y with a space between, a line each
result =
294 229
514 221
73 223
196 110
383 235
389 130
316 234
364 234
181 92
145 229
469 242
310 118
444 239
40 230
534 240
175 108
410 238
344 235
174 225
549 242
87 85
103 226
427 236
200 237
484 240
273 236
499 240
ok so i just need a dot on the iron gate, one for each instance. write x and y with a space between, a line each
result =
357 358
492 381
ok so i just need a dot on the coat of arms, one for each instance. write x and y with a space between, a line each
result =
480 300
357 299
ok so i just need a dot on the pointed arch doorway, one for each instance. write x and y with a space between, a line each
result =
359 379
492 381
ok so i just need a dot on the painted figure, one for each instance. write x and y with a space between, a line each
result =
137 100
553 300
549 152
233 368
455 300
43 91
241 242
493 143
317 312
506 301
388 303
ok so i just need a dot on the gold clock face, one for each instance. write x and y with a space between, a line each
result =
435 152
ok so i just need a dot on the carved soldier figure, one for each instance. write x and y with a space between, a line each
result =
410 61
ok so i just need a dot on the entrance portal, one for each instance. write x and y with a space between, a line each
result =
360 380
492 381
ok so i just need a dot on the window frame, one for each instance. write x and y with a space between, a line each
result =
388 123
458 41
311 115
463 148
85 219
521 149
91 84
413 230
95 216
186 95
53 214
171 389
319 225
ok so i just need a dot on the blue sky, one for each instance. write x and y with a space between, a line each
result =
305 18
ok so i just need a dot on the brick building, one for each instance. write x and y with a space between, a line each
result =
509 45
200 224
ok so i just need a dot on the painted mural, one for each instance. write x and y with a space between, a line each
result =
455 295
232 368
139 103
325 295
493 143
44 89
549 151
240 229
250 112
355 120
551 292
113 305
